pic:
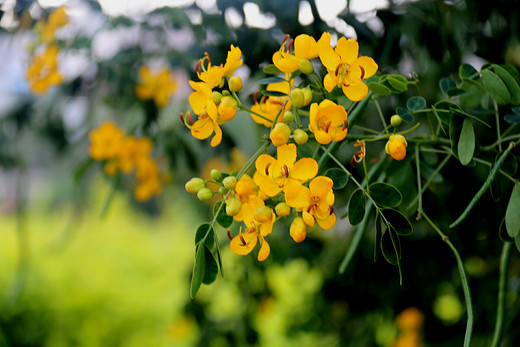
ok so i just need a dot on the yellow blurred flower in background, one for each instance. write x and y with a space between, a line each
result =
158 86
43 72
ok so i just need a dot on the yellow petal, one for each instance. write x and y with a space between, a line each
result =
356 92
267 185
304 169
320 186
308 218
322 137
298 197
329 82
328 56
265 250
369 66
305 47
238 247
327 223
348 50
286 155
215 141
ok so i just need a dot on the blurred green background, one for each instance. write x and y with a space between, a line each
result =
76 271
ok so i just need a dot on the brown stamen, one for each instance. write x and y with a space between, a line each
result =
362 72
207 56
244 243
289 45
285 171
229 234
255 96
197 68
267 169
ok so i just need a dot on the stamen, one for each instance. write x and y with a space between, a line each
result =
285 171
267 169
331 209
189 118
244 243
229 234
289 45
255 96
197 68
362 72
207 56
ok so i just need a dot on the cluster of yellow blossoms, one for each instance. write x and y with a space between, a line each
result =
157 86
285 184
42 72
127 154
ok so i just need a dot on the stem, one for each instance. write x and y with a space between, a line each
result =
497 121
380 112
498 142
243 108
419 188
463 278
485 162
502 284
356 239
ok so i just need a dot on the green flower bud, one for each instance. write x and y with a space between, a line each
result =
216 97
194 185
216 175
305 66
307 96
235 84
396 120
205 194
222 190
282 209
288 117
297 97
300 137
230 182
226 93
233 206
263 214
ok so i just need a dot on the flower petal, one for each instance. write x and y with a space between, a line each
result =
238 247
305 47
265 250
356 92
327 223
348 50
369 66
304 169
298 197
328 56
320 186
286 154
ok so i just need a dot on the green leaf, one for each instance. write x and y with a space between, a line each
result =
81 170
502 232
271 70
398 83
466 146
198 270
273 79
211 267
379 89
273 93
495 87
517 242
404 114
416 103
512 118
511 84
467 71
385 194
223 218
446 84
391 247
356 207
452 92
455 127
398 222
338 176
202 230
513 212
427 171
516 110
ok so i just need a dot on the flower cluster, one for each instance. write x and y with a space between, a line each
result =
127 154
42 72
157 86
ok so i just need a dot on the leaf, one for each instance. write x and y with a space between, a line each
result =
211 267
513 212
385 194
517 242
404 114
446 84
512 118
466 146
338 176
455 127
202 230
511 84
495 87
467 71
416 103
398 222
397 83
502 232
391 247
223 218
273 93
427 171
273 79
516 110
198 270
452 92
271 70
379 89
356 207
81 170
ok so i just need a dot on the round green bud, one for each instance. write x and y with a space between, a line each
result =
194 185
297 97
230 182
307 96
448 308
216 175
300 137
282 209
288 117
205 194
226 93
222 190
263 214
235 84
396 120
233 206
216 97
305 66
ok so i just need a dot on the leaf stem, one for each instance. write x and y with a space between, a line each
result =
419 188
497 121
502 284
381 116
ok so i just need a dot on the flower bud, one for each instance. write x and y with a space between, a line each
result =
288 117
235 84
205 194
216 97
396 120
396 147
233 206
227 108
263 214
282 209
297 97
216 175
194 185
230 182
307 96
300 137
280 134
298 229
222 190
305 66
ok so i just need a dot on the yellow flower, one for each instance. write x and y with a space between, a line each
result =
396 147
272 106
245 188
315 202
57 19
345 69
275 175
258 225
233 61
227 108
43 72
298 229
105 142
328 122
132 151
410 319
157 86
214 75
280 134
305 47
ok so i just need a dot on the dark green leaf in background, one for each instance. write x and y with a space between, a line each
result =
356 207
512 118
385 194
466 146
338 176
495 87
446 84
404 114
511 84
416 103
467 71
211 267
513 212
398 222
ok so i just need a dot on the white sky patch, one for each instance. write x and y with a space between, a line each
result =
305 16
343 28
233 17
329 9
257 19
207 5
